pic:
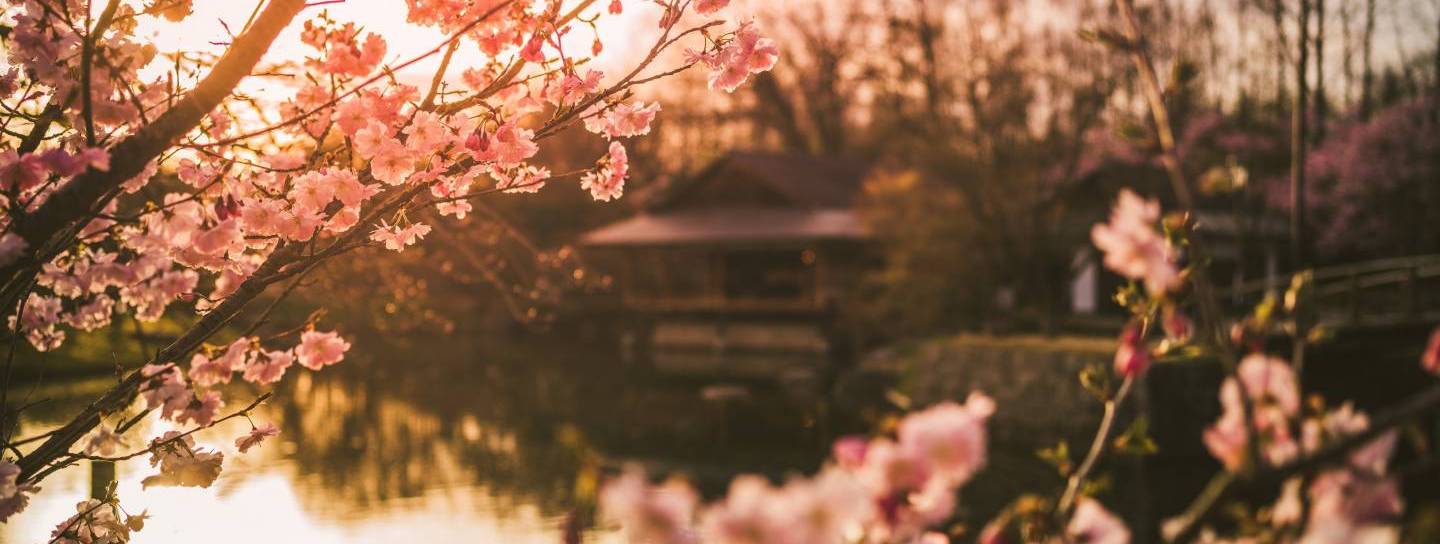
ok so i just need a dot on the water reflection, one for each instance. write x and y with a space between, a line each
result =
451 440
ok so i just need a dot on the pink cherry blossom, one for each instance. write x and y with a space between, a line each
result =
707 7
256 436
951 437
393 163
1132 358
320 349
622 120
1132 246
206 372
1429 360
180 463
202 409
14 496
1274 397
607 181
1093 524
657 514
396 238
11 247
269 367
748 514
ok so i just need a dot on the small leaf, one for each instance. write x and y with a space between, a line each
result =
1095 378
1058 457
1136 440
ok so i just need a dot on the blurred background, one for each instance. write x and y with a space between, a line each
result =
899 213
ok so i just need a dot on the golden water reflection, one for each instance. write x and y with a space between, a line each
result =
478 449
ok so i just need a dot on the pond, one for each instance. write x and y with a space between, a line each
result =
462 438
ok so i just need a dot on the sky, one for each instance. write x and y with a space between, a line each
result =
628 34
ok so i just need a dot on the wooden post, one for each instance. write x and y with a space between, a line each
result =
102 474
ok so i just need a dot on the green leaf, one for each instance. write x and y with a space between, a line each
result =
1095 378
1058 457
1136 440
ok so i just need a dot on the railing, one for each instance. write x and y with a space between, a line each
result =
1382 290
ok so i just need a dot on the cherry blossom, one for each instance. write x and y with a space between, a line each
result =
320 349
269 367
607 181
1274 395
1132 246
11 246
1132 358
256 436
658 514
622 120
1430 359
707 7
181 464
1093 524
14 496
397 238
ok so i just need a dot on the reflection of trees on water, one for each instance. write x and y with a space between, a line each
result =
521 425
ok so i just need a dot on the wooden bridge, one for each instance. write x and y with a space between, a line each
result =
1380 293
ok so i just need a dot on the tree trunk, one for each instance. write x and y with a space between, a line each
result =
1297 143
1322 102
1367 48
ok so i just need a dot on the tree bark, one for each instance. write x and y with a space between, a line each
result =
1367 72
1298 133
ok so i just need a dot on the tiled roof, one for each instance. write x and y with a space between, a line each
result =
734 225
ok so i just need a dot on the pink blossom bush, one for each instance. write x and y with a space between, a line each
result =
881 490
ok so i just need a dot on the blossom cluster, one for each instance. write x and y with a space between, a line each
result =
1357 501
883 489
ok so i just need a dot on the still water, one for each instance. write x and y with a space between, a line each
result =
456 439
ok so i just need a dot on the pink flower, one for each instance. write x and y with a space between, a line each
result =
348 188
746 54
623 120
655 514
165 389
749 513
1430 360
201 409
1275 399
650 513
181 464
1131 357
392 164
14 496
206 372
396 238
825 507
320 349
256 436
269 368
1093 524
263 217
707 7
312 192
607 181
221 239
23 171
849 451
12 246
426 133
951 437
1132 246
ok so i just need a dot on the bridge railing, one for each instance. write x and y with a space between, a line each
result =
1393 288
